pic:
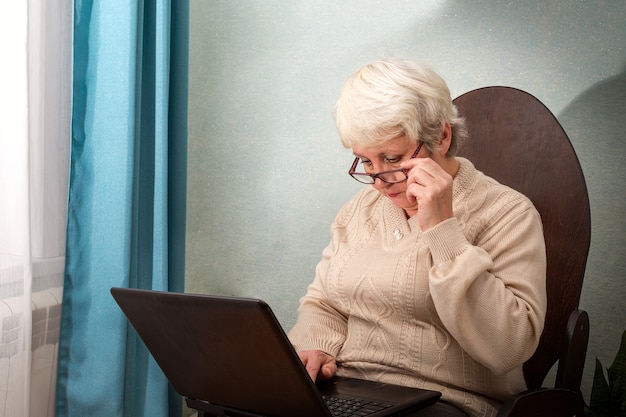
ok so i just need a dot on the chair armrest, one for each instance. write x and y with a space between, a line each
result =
544 402
573 352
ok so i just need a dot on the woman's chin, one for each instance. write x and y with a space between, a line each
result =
400 201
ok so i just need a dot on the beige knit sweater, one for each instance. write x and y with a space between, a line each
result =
457 308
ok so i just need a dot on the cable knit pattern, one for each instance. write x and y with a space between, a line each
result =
457 308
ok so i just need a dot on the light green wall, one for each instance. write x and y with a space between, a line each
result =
267 172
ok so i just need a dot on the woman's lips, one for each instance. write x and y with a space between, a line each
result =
394 195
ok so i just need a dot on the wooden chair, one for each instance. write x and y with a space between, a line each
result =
515 139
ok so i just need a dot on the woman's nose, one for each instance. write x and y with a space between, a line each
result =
379 167
378 183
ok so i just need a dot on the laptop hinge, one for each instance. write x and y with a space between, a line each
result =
207 409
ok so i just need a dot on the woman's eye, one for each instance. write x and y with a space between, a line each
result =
392 160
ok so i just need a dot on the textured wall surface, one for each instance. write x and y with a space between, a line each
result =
267 172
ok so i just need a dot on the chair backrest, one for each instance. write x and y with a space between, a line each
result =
515 139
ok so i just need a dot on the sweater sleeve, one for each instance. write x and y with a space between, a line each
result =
491 294
320 324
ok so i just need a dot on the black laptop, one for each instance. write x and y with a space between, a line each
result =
229 356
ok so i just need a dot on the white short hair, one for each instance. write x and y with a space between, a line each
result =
391 98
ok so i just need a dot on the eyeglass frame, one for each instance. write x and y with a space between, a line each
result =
352 171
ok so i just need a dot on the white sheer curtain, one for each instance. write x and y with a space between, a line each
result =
35 101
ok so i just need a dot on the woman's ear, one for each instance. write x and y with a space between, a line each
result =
446 139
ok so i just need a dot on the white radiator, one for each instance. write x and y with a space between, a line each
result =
47 292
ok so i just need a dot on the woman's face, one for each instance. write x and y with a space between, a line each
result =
386 158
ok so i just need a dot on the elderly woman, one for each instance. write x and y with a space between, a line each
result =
435 275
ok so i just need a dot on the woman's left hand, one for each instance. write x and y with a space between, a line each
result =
430 186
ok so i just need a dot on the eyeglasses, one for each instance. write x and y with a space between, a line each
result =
390 177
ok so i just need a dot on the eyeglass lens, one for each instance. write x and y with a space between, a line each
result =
397 175
391 177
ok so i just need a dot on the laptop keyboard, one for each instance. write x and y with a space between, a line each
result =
352 407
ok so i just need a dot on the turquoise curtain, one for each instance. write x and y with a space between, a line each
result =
127 193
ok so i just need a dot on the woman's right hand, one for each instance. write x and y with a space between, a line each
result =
318 364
